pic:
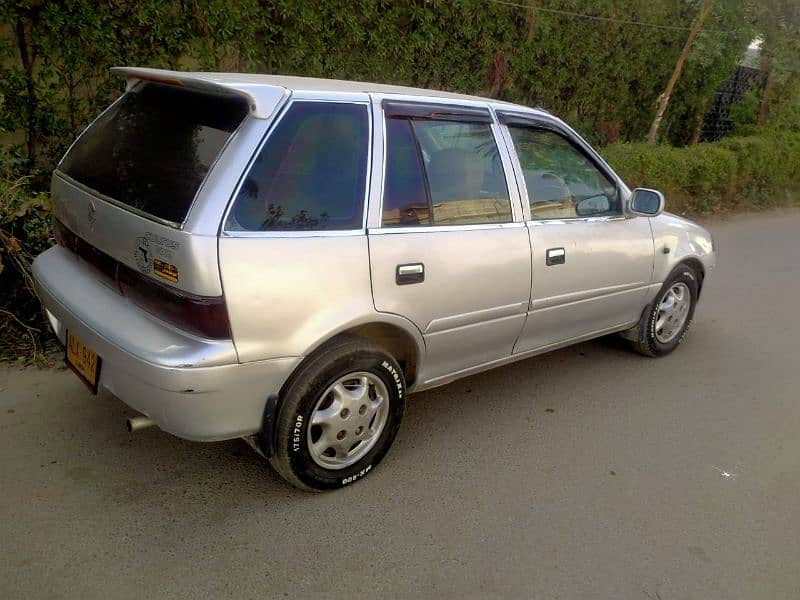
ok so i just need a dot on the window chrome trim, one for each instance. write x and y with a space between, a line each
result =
224 232
336 97
568 220
294 233
521 207
443 228
377 184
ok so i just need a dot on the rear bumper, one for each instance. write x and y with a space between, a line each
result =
191 387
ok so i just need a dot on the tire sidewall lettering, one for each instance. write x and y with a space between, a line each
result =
300 429
396 377
357 476
297 434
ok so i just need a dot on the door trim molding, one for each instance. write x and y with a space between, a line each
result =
476 317
445 379
582 296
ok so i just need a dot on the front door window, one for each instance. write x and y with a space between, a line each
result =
562 181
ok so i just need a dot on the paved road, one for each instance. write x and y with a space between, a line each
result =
587 473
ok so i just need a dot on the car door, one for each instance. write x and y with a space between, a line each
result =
448 248
592 265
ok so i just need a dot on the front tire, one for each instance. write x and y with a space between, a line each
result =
667 320
338 415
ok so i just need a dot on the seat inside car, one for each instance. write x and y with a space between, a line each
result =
455 174
550 197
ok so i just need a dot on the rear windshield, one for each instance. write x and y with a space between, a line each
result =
153 148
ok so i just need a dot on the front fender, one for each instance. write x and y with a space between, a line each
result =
678 240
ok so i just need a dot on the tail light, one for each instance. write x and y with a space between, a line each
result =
205 316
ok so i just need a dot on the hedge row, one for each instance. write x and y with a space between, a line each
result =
740 172
602 74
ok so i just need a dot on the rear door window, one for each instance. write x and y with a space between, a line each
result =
152 150
310 174
443 172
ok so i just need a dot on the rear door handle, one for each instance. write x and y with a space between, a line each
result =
411 273
556 256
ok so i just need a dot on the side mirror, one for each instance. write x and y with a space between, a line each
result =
594 205
646 203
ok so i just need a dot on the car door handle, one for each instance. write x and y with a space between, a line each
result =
556 256
412 273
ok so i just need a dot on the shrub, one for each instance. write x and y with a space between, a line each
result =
24 233
739 172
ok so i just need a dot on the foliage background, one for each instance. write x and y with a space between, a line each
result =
602 74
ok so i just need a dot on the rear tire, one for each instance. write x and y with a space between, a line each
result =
338 415
666 321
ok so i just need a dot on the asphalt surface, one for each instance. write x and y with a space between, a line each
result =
590 472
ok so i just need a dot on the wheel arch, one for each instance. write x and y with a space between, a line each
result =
398 337
697 266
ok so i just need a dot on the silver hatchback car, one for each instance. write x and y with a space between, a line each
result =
283 259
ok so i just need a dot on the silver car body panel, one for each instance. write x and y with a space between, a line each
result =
603 282
487 299
95 302
124 235
470 310
285 295
607 274
517 356
191 387
677 239
288 291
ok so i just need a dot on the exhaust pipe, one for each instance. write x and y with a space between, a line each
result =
137 423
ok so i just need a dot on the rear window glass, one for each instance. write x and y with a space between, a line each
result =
311 173
153 148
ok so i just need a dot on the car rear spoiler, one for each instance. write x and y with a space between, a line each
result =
262 98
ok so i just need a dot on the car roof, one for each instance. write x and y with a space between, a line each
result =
264 91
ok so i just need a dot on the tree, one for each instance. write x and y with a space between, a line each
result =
778 25
663 99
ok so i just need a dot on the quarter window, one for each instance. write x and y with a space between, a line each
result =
310 174
443 173
562 182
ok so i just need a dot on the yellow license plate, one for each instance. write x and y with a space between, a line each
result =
83 361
